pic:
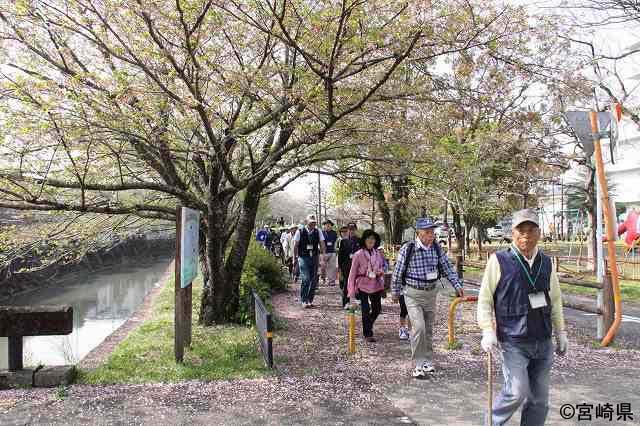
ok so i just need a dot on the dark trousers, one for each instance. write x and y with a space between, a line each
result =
289 264
371 305
309 273
343 287
403 308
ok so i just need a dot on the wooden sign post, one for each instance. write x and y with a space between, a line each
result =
186 270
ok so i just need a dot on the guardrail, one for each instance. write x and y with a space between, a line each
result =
452 314
603 307
264 328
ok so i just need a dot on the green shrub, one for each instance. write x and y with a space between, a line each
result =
262 272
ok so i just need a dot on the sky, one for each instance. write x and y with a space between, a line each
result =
611 40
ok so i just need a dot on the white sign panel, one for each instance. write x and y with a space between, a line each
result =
580 121
189 246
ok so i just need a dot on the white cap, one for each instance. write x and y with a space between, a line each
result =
522 216
311 218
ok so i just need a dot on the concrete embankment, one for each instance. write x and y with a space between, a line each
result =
24 273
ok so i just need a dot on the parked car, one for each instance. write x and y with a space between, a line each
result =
443 232
497 233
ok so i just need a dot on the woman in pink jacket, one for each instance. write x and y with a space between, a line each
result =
366 281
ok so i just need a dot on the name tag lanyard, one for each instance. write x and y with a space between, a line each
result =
531 280
369 258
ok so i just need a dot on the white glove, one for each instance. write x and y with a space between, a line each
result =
489 340
562 343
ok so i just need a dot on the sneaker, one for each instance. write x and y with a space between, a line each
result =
418 373
428 367
404 333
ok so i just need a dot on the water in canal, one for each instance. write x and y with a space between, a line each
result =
101 303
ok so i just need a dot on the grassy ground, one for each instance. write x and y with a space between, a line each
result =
146 355
630 290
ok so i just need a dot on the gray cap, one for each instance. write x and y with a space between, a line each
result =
522 216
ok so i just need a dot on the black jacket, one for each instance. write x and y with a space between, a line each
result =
347 248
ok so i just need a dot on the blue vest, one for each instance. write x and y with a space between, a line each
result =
515 319
309 238
330 239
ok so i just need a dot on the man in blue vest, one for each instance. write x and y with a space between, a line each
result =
262 236
308 246
328 270
521 292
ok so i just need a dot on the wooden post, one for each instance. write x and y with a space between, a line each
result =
459 265
180 303
188 314
556 263
608 306
15 353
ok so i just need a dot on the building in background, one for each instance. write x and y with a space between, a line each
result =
560 219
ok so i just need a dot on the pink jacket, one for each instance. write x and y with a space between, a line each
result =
363 262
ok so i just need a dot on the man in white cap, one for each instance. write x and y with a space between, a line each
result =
308 246
521 293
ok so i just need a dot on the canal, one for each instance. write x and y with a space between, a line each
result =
101 302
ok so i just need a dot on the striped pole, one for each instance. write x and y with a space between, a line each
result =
351 317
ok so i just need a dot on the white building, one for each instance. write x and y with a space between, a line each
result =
623 177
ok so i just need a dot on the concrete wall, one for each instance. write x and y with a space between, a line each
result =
14 281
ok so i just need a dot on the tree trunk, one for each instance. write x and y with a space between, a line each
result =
457 227
242 239
467 235
383 207
592 201
400 196
220 298
217 297
394 213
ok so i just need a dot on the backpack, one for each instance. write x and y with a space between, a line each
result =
410 250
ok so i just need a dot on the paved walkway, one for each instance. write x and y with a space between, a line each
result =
317 383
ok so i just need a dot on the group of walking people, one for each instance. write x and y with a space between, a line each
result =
519 302
360 266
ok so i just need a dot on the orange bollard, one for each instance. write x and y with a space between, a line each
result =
452 314
351 319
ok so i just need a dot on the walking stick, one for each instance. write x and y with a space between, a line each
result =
490 385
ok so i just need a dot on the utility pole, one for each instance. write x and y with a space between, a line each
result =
373 213
553 214
319 198
325 206
562 230
446 212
